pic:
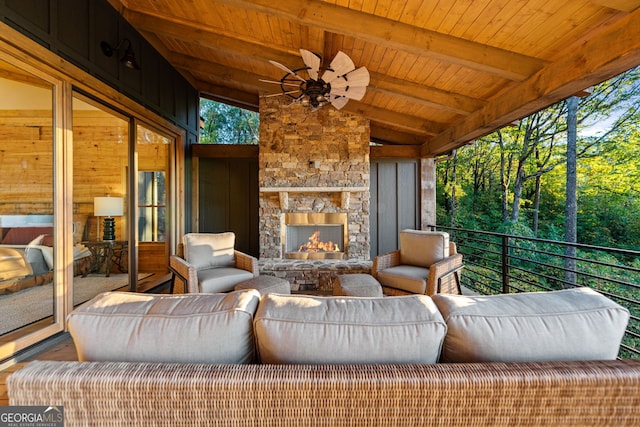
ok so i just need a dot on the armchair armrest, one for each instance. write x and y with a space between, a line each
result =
186 272
445 271
247 262
384 261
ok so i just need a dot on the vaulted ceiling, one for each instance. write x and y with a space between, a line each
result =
443 72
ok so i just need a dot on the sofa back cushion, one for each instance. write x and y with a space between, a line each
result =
191 328
209 250
423 248
299 329
572 324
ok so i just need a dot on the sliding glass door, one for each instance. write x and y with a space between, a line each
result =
101 175
29 297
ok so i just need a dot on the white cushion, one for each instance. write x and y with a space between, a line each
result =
572 324
221 279
191 328
300 329
209 250
423 248
405 277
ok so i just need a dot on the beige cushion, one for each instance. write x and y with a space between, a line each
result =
209 250
192 328
301 329
357 285
572 324
408 278
266 285
423 248
221 279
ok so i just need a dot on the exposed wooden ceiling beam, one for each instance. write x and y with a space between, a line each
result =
204 37
622 5
610 53
227 95
222 73
385 135
397 35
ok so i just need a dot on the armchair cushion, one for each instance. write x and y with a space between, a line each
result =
423 248
571 324
407 278
221 279
209 250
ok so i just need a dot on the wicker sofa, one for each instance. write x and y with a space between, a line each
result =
138 379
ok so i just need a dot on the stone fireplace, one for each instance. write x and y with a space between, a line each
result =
314 169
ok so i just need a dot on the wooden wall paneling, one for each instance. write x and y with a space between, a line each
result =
214 195
395 201
244 205
31 15
105 29
373 208
151 87
408 202
387 207
73 28
228 191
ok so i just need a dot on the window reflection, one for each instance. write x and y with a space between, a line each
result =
26 202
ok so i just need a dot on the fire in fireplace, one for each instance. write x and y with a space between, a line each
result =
314 236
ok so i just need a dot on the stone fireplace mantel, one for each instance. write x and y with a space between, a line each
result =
284 193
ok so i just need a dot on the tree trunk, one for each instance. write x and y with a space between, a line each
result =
571 205
452 200
536 205
503 180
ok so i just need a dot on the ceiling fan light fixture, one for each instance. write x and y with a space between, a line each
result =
340 82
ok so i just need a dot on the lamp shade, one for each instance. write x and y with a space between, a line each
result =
108 206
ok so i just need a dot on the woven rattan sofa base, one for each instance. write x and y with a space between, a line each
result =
590 393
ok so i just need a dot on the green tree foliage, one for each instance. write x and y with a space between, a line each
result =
514 179
224 124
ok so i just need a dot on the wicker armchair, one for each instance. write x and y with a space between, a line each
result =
426 263
208 263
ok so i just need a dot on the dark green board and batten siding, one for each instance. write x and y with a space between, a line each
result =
229 200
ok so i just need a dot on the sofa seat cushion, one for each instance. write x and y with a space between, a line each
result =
407 278
221 279
299 329
572 324
191 328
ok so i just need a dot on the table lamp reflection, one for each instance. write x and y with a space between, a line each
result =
108 207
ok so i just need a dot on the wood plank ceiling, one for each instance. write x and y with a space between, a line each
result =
443 72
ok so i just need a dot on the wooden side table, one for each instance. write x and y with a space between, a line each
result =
106 253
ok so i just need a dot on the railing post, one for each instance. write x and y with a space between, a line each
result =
505 265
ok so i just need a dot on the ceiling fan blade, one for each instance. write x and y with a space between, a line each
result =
359 77
312 61
279 83
340 65
278 94
338 101
286 70
350 92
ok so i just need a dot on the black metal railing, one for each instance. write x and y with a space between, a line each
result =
499 263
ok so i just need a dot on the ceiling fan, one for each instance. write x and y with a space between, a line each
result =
339 83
